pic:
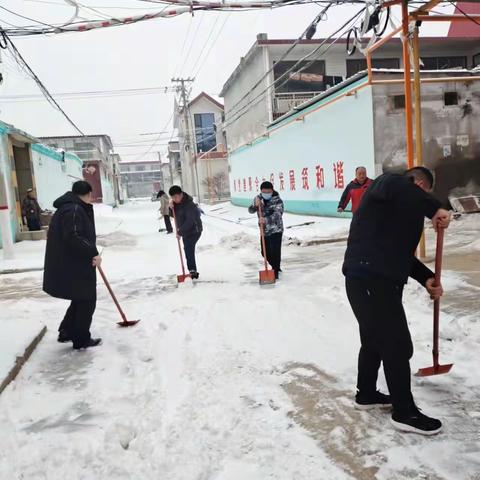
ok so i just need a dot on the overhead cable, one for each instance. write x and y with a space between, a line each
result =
19 58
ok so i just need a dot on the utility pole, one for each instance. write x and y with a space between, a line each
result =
189 147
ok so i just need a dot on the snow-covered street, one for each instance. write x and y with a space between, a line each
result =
227 380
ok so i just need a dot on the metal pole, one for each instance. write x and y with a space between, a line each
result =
407 82
418 118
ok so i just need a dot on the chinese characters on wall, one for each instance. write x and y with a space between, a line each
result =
308 179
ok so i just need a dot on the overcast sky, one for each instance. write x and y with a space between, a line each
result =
143 55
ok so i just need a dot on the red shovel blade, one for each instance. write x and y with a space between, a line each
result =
182 278
266 277
435 370
127 323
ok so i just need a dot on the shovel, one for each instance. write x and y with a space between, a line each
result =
266 276
124 322
180 278
437 369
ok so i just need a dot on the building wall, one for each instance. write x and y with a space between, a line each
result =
255 120
263 57
189 169
6 176
141 178
214 179
53 175
451 137
335 136
94 151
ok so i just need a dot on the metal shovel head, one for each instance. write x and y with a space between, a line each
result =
266 277
127 323
435 370
182 278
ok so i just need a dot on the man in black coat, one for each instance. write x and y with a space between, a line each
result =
380 257
189 225
71 259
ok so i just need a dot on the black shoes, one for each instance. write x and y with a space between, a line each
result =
93 342
194 275
372 400
415 421
63 337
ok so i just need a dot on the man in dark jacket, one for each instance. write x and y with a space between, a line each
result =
272 219
31 211
189 225
71 259
355 190
380 257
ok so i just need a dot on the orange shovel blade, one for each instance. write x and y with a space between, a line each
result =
266 277
127 323
182 278
435 370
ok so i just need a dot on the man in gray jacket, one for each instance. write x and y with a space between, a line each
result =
271 205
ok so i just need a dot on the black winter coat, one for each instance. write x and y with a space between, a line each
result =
69 273
187 215
386 229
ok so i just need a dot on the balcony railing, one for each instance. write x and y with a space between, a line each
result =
284 102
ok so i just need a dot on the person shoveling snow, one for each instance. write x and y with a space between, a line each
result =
380 256
71 259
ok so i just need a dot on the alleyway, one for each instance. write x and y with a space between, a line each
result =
226 380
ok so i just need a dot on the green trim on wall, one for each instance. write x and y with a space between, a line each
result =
326 208
49 152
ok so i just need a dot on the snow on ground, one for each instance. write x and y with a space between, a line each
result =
226 380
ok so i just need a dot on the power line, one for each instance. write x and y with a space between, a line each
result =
289 50
92 94
191 44
19 58
206 43
183 46
155 142
212 45
242 111
25 18
61 4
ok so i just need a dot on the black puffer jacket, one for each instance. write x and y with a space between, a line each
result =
386 229
69 273
187 216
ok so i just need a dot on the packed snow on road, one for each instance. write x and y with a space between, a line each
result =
223 379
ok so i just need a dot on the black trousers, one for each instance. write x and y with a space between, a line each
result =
384 337
77 321
168 223
33 224
189 244
273 244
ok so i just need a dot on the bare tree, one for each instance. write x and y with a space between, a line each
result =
217 185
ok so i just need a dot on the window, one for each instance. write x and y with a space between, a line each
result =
476 60
443 63
398 102
450 98
357 65
309 80
205 131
